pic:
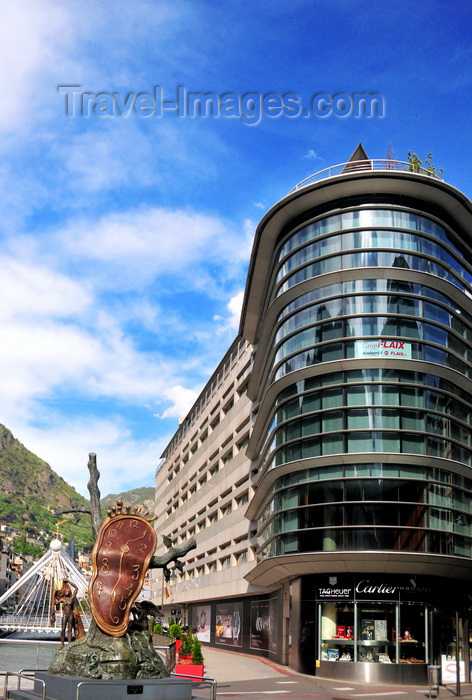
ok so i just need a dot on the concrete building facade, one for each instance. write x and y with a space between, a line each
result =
347 435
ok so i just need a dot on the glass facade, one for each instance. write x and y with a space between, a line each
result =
359 308
368 506
431 249
371 410
380 506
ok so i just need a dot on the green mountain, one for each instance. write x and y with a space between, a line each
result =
30 493
143 497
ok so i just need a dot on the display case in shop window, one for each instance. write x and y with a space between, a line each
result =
376 640
337 632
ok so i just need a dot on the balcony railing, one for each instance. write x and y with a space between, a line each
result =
362 165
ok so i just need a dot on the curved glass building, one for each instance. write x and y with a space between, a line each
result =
358 305
326 468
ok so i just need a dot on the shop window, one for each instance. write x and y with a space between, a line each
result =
412 633
376 634
337 631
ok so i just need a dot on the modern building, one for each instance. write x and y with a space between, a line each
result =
326 467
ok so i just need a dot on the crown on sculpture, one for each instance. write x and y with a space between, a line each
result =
118 510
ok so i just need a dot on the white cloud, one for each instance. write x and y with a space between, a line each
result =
128 250
90 274
172 237
182 401
31 290
312 155
235 305
33 36
123 462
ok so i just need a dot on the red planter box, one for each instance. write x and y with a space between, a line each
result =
190 670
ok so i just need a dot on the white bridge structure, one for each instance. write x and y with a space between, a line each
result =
28 604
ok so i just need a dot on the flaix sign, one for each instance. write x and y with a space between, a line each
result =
383 347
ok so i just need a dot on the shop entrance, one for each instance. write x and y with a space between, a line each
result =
450 642
387 628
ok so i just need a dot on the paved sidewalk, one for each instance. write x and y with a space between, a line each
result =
248 677
226 666
253 678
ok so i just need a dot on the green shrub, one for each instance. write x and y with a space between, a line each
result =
186 648
156 627
197 656
175 631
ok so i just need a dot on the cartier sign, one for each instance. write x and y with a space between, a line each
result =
365 586
372 587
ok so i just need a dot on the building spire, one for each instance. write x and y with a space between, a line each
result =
359 159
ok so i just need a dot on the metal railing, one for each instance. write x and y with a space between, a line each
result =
24 674
135 682
201 680
364 165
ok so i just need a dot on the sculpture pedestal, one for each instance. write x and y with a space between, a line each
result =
71 688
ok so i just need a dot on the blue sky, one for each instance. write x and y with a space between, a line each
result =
125 240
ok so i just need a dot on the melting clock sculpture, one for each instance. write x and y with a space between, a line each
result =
121 556
113 648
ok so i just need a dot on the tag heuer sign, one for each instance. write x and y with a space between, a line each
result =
334 592
383 347
120 558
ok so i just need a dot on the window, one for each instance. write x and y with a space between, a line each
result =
242 500
244 442
228 456
241 557
228 406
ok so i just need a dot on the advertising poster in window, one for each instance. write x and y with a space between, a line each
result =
228 624
273 624
264 624
201 619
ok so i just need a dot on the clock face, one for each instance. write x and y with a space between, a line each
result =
120 558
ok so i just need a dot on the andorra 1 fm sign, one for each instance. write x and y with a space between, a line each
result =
383 347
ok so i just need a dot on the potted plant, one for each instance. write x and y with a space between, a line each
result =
175 631
193 666
186 646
